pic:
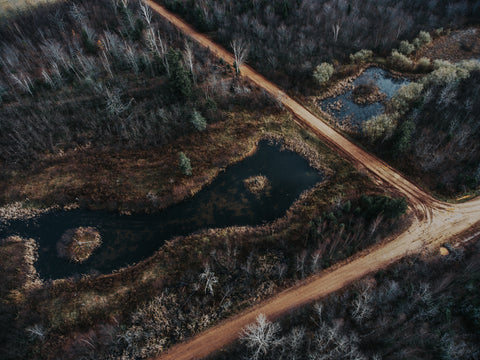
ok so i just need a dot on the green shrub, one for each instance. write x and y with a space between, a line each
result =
184 164
198 121
439 63
400 61
403 137
405 97
469 65
448 73
362 56
372 206
179 80
424 38
379 127
424 64
406 48
323 73
88 40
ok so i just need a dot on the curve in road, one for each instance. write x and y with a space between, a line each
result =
357 156
435 223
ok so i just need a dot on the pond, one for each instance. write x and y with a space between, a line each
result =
128 239
342 107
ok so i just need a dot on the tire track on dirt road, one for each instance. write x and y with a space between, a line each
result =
356 155
435 221
444 226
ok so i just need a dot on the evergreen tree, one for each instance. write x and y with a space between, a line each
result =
184 164
198 121
180 82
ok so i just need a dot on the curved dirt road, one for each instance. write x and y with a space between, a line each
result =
445 225
435 223
418 199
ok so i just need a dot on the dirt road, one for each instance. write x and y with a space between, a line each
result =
445 225
357 156
435 223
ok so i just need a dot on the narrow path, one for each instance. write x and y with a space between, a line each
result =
435 223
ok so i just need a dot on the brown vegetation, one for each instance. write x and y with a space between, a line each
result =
19 281
78 244
453 46
420 308
145 308
367 94
92 309
288 39
139 180
256 184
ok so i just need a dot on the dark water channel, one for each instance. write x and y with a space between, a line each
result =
360 113
130 238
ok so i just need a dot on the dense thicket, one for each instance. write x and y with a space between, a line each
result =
432 127
240 270
288 38
103 73
220 271
416 310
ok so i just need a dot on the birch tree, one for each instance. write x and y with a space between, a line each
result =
240 51
209 278
189 59
261 336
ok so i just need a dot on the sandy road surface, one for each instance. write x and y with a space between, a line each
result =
358 157
422 233
435 223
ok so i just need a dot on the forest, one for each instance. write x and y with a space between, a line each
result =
431 127
104 75
106 106
287 39
420 308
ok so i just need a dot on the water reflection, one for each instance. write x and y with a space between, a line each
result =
342 107
129 239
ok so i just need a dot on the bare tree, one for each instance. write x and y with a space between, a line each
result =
314 266
362 304
376 222
106 64
129 15
295 338
260 336
189 59
158 47
336 31
23 81
209 278
114 104
47 78
281 270
36 331
146 12
301 263
78 14
132 58
240 51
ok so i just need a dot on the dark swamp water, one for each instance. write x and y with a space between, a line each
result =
360 113
128 239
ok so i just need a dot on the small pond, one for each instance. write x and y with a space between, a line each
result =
128 239
342 107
